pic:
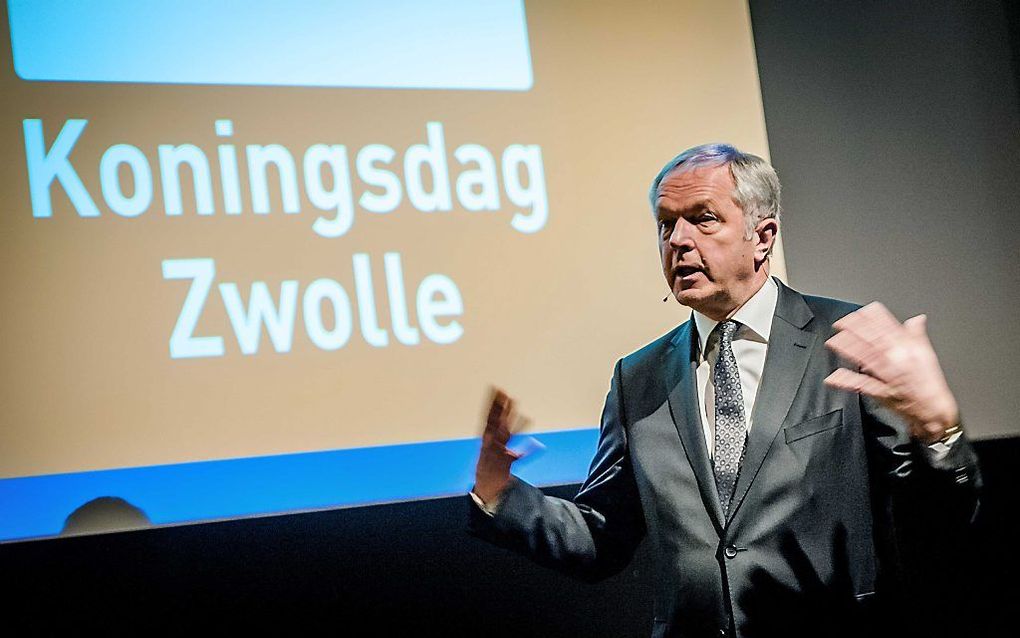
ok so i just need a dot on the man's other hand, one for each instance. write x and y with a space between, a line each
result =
492 474
897 366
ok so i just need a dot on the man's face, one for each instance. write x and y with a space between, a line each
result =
706 258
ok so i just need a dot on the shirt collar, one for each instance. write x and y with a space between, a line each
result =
756 314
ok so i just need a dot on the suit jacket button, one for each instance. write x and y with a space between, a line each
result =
730 551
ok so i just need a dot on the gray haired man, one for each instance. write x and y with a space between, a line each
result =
766 446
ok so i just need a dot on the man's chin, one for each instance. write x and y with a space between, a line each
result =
697 299
691 297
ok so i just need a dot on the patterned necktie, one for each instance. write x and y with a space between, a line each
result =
730 426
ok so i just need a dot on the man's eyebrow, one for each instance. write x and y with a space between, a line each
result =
701 204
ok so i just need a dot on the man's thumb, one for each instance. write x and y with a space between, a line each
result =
917 325
527 447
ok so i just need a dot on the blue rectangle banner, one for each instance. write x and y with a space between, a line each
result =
442 44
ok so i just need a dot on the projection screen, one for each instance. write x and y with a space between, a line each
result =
268 257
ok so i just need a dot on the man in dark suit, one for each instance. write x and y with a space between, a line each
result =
774 447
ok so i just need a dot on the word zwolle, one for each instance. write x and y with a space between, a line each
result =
437 301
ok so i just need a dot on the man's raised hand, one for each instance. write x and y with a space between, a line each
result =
897 366
492 474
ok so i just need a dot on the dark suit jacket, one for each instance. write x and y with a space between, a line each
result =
810 545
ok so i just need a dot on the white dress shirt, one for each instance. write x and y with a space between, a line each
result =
750 345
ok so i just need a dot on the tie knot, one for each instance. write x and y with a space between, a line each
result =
727 329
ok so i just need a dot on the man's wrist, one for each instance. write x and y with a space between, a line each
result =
940 448
940 430
950 434
490 488
487 507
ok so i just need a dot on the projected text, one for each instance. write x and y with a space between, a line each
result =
196 182
437 303
326 178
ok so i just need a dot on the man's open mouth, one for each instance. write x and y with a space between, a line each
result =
685 271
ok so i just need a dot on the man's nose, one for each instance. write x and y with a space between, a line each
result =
682 237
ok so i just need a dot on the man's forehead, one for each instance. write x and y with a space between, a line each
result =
692 174
689 187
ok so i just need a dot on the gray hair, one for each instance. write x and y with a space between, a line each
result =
757 185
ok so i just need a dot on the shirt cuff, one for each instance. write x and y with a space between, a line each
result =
939 450
488 508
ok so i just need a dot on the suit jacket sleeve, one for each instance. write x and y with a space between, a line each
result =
943 491
924 508
590 538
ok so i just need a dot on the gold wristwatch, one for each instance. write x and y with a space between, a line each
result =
950 433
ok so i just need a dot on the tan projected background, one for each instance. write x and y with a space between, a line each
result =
87 381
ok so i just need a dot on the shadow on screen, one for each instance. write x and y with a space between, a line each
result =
105 514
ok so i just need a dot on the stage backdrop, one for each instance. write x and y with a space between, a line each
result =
269 257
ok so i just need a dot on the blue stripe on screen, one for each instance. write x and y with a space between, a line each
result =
185 492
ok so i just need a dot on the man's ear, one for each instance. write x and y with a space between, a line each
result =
764 237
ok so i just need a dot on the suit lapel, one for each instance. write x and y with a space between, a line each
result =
790 346
683 406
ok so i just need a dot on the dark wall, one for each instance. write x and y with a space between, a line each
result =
894 127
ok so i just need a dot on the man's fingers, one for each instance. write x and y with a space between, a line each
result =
874 315
851 381
852 347
520 424
502 403
503 420
497 403
874 324
508 414
871 359
872 339
495 421
881 314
